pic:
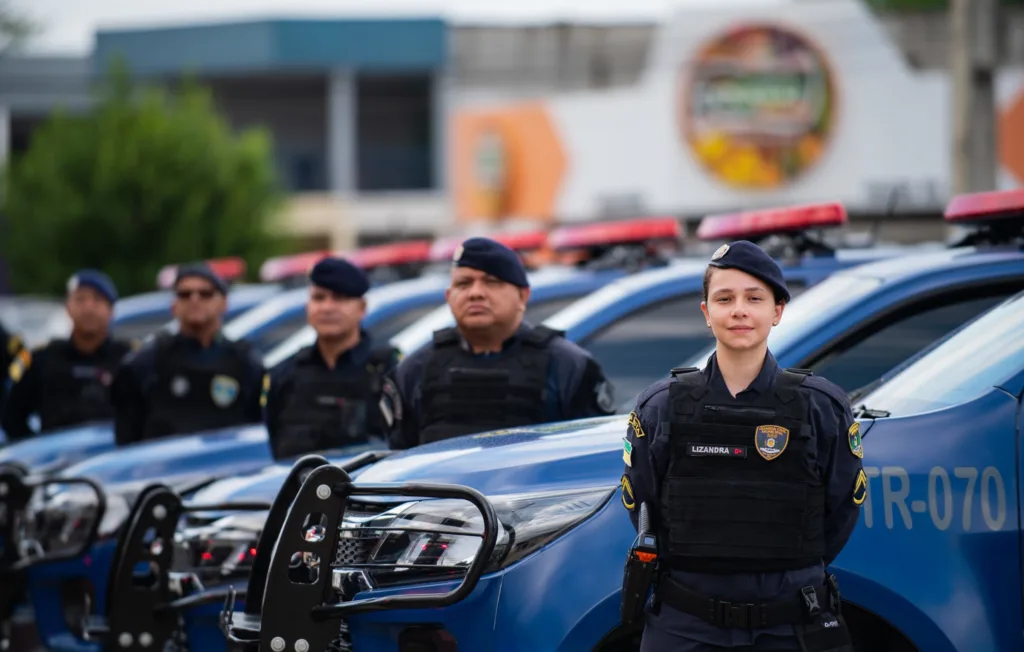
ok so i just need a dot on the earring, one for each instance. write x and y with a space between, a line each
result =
709 324
775 323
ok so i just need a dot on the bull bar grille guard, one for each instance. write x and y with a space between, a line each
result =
16 489
144 616
280 613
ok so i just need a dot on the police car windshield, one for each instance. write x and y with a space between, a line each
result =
249 321
985 353
810 311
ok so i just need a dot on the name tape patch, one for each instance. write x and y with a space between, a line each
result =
708 450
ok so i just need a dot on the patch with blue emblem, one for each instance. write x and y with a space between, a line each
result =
770 441
223 390
856 443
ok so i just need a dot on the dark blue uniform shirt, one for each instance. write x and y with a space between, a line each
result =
831 419
568 384
281 382
137 376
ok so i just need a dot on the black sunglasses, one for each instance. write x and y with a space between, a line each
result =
185 294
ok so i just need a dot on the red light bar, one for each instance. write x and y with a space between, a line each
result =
444 248
766 222
284 267
399 253
229 269
980 205
611 233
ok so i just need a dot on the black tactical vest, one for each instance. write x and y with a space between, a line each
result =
191 395
742 493
332 408
462 393
75 392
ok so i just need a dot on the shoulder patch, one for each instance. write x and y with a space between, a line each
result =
653 391
14 344
634 423
860 488
856 441
22 361
265 391
628 500
828 388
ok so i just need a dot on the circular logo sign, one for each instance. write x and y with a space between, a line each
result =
758 106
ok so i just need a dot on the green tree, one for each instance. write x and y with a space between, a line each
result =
147 177
15 28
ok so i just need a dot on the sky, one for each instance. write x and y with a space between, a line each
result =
68 25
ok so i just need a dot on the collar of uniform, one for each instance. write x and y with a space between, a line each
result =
524 328
100 350
354 355
761 383
193 342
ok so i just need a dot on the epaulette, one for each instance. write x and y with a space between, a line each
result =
652 391
830 389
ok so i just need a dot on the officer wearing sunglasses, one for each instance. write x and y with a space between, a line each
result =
193 380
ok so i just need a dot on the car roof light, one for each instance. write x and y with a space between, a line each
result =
614 233
398 253
444 248
229 269
982 206
284 267
767 222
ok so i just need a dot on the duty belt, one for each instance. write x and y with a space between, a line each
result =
808 603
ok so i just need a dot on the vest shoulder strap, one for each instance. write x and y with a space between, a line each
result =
680 371
541 335
381 357
446 337
787 383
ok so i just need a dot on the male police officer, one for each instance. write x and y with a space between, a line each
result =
492 370
67 382
753 480
328 395
194 380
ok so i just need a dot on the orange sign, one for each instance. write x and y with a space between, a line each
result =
506 162
758 106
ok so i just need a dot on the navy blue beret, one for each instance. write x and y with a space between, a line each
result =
339 276
95 279
203 271
748 257
491 257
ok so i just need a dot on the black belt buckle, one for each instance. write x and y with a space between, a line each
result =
810 601
733 615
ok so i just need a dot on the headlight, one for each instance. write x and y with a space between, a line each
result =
432 539
220 550
58 518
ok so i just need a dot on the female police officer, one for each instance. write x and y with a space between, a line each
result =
752 476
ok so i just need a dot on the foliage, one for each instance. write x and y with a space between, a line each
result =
147 177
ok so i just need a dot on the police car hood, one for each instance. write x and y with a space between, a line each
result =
51 452
211 454
264 485
586 452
